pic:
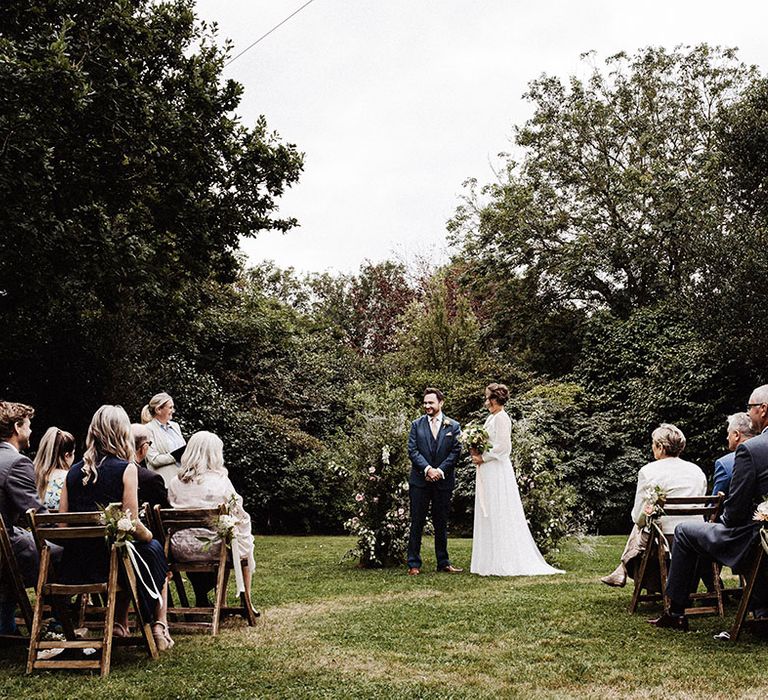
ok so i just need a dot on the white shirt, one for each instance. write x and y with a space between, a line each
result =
438 418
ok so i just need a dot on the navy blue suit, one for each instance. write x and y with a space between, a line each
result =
730 540
723 473
440 453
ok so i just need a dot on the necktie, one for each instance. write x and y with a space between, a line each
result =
433 425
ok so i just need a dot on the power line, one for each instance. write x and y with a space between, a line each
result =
277 26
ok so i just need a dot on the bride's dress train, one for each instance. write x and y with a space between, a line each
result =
502 544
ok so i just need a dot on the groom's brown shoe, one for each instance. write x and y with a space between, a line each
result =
450 569
414 571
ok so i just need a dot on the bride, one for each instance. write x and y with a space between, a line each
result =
502 544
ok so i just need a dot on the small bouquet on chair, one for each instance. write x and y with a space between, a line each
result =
654 499
475 438
224 527
761 515
120 526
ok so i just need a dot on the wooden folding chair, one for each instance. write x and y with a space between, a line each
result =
743 617
654 581
9 570
172 520
56 527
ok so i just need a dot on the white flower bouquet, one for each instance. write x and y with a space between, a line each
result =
475 437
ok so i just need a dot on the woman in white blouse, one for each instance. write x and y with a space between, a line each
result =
166 439
203 482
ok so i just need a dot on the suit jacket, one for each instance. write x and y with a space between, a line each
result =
723 471
17 495
441 453
152 488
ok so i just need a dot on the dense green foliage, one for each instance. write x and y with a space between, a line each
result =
607 276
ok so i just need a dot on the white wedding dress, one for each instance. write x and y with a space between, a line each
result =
502 544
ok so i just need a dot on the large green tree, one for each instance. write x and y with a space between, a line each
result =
126 179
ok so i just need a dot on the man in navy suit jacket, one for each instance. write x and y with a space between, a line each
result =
434 449
739 430
731 540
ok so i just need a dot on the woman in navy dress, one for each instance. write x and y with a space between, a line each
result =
107 474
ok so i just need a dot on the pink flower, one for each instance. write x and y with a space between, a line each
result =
359 497
372 470
648 508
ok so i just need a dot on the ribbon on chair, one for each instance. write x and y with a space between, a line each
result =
135 557
238 567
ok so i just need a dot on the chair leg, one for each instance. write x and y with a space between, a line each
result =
37 618
640 577
221 592
142 624
245 597
746 595
109 617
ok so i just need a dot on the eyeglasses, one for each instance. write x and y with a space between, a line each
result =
148 443
752 405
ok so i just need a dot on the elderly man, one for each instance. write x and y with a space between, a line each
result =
152 488
731 540
17 495
739 430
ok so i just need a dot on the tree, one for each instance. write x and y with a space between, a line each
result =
127 180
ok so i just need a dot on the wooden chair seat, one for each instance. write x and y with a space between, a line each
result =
57 527
186 618
653 580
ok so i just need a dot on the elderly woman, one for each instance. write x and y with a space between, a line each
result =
203 482
676 477
166 441
54 457
108 474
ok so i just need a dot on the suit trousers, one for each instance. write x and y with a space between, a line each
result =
421 498
692 541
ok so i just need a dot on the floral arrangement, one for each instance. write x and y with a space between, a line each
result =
761 515
381 520
120 525
653 502
224 527
475 437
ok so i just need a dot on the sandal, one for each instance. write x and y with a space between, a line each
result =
162 636
120 630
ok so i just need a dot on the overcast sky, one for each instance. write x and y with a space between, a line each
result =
397 102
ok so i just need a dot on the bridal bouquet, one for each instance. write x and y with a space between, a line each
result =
475 437
120 525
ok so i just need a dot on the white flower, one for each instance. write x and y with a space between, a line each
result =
385 454
227 521
372 470
125 524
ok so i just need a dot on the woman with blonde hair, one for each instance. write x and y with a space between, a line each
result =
107 474
166 441
203 482
52 462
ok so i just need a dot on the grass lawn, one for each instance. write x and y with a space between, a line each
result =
330 630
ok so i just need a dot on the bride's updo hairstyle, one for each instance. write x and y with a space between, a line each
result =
108 434
498 392
157 401
204 453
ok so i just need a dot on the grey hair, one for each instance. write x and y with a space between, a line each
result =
669 438
140 434
759 395
741 422
204 453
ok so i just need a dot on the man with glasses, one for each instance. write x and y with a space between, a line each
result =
731 540
152 488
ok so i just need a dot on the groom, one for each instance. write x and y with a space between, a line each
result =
434 449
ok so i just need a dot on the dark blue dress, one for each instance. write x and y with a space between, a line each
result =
87 561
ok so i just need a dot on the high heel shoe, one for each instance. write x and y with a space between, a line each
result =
162 636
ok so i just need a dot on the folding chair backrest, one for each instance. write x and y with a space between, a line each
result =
9 570
57 527
706 506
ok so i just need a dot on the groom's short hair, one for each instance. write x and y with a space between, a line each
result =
436 392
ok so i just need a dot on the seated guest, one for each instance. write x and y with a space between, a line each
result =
52 462
107 474
17 495
731 540
167 441
203 483
739 430
676 477
152 488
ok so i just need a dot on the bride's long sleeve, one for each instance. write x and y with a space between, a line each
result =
500 435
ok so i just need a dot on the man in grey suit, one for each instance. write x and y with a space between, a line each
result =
731 540
17 495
